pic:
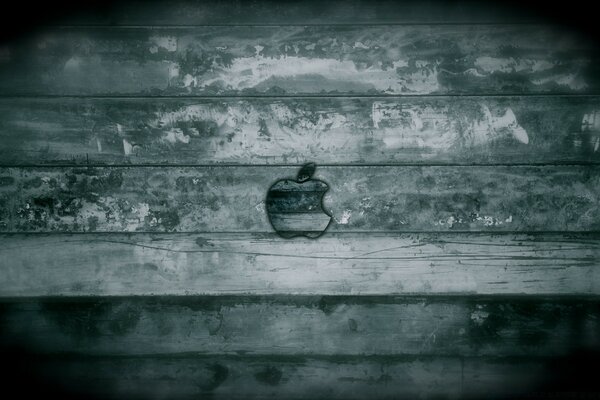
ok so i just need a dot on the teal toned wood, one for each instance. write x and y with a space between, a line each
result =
296 325
470 130
226 199
307 60
300 12
265 264
460 144
222 377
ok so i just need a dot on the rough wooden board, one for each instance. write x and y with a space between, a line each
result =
301 12
470 130
338 377
226 199
298 325
398 60
335 264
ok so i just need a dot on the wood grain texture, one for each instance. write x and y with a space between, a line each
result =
312 60
291 130
299 12
137 258
242 377
226 199
264 264
303 326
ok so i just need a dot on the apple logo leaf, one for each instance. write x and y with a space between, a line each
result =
306 172
295 207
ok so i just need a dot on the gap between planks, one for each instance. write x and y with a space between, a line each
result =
490 95
83 164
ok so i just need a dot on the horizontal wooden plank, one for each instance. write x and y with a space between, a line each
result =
335 264
392 60
303 326
360 198
191 376
283 130
299 12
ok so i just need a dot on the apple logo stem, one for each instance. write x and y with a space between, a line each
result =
295 207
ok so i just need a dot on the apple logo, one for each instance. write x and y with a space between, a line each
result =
295 207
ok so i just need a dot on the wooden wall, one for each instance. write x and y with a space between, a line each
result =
461 144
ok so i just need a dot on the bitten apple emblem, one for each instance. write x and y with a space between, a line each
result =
295 207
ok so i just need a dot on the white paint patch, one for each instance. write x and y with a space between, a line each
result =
346 214
405 126
99 145
168 43
510 64
492 126
490 65
173 71
175 135
400 64
249 72
260 207
73 63
572 81
479 316
240 127
377 113
488 220
360 45
190 81
451 221
485 220
412 126
474 72
127 147
143 210
591 122
258 48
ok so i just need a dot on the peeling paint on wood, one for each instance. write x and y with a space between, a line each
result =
399 60
288 130
452 269
225 199
264 264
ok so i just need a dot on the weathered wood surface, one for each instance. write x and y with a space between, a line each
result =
191 376
303 326
396 60
360 198
470 130
299 12
204 300
264 264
